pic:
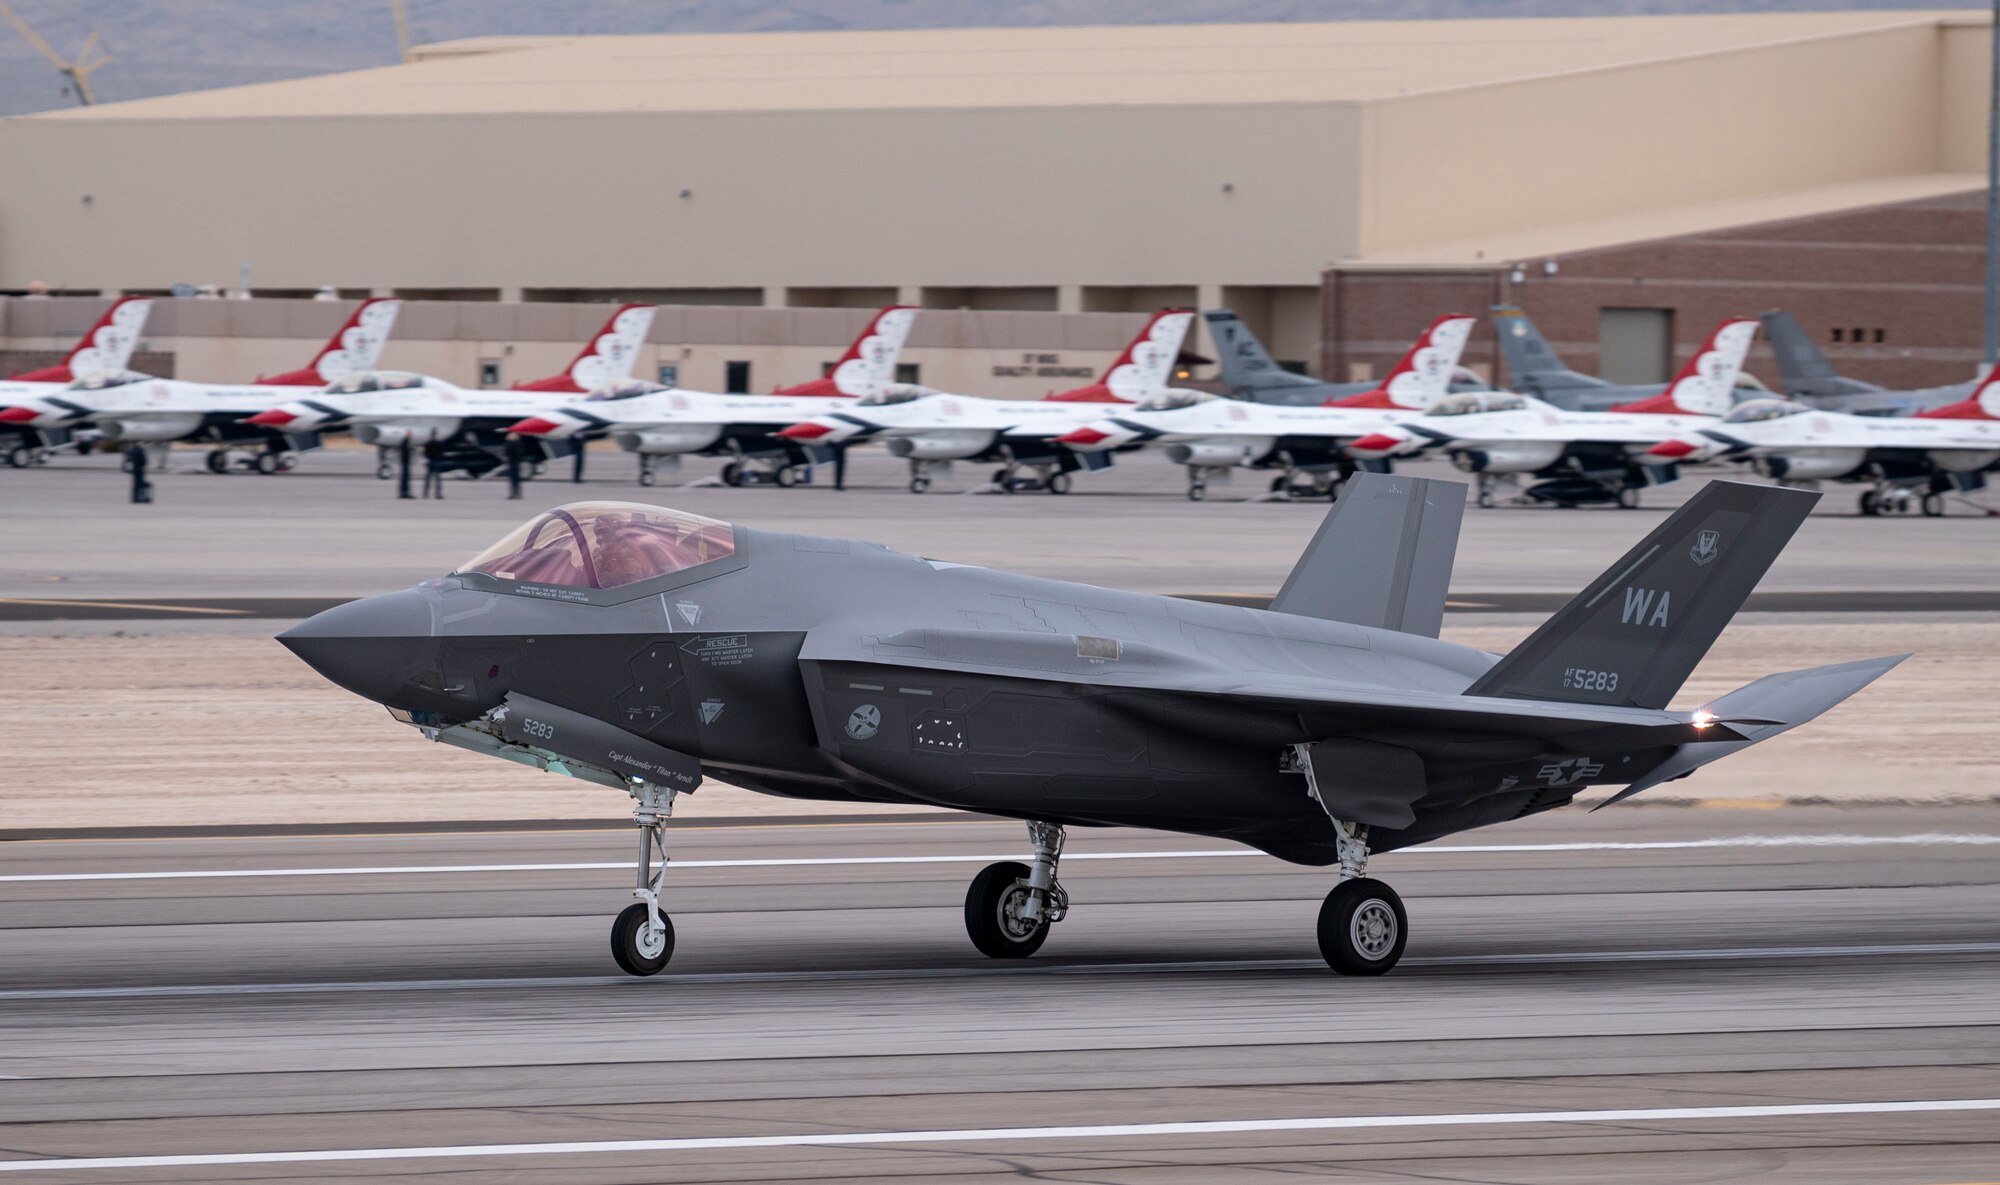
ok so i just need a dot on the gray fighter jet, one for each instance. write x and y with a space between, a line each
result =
1533 368
645 649
1809 376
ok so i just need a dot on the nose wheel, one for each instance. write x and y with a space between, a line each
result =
1010 906
1362 927
642 939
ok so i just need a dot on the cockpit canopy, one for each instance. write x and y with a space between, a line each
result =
605 545
1173 397
377 380
896 393
1467 403
629 389
105 379
1752 410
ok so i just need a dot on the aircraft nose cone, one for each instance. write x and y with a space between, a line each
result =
376 647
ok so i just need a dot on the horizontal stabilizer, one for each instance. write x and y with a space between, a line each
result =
1634 635
1761 710
1382 557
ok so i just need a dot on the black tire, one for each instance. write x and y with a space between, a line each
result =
218 461
732 474
384 471
1058 483
646 477
999 477
634 957
919 484
267 463
1281 484
1486 501
1197 492
786 477
990 902
1870 504
20 458
1628 498
1362 927
1933 505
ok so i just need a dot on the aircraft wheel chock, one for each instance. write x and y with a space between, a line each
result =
993 918
1362 927
639 949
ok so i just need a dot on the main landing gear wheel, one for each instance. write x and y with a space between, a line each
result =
639 948
20 458
1870 504
1933 506
267 463
218 460
1362 927
1058 483
1628 498
919 484
384 471
1010 906
786 477
1197 491
732 474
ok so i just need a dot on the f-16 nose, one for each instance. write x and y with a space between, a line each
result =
1670 450
538 426
376 647
276 417
1375 443
18 415
807 430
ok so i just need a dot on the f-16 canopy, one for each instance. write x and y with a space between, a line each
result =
1467 403
1752 410
605 545
105 379
628 389
377 380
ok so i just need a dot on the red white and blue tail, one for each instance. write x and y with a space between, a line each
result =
1982 404
606 358
1142 371
1706 386
353 349
1424 375
107 346
870 362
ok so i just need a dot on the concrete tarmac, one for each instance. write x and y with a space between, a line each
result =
1791 995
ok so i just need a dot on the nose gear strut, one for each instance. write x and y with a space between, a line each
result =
642 939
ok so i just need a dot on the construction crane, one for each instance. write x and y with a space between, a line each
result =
78 71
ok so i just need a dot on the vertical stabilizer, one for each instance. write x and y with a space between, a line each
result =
1142 371
1245 365
1802 368
354 348
870 361
1382 556
1423 375
1532 365
108 344
606 358
1706 386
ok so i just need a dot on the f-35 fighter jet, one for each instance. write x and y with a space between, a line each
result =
645 649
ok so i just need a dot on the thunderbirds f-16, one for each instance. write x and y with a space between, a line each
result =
1534 369
645 649
1249 372
1902 459
105 346
655 421
132 408
1578 456
1214 437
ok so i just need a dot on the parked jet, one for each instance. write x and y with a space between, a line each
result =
1902 459
106 345
645 649
1249 372
1534 369
131 408
1809 377
932 429
1215 437
653 421
387 408
1580 456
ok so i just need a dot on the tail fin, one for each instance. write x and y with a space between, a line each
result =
1802 367
1423 376
1635 633
354 348
1245 364
1982 404
1761 710
107 345
870 362
1142 371
1382 556
1706 386
1532 366
606 358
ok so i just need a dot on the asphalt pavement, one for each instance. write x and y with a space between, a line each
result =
1673 995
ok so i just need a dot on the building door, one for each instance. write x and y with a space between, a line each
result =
736 378
1635 345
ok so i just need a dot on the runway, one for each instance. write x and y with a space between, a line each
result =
1789 995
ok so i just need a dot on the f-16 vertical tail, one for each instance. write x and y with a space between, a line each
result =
1632 637
870 361
1706 386
1423 375
606 358
107 345
1246 366
1382 556
353 349
1802 368
1532 365
1142 371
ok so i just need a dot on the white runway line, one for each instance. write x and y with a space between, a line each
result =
989 971
1112 1131
1924 839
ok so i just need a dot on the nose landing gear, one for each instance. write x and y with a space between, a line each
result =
1010 906
642 939
1362 925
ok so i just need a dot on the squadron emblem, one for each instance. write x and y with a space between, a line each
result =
1707 545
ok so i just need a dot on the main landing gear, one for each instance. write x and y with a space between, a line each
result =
1010 906
1362 925
642 939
